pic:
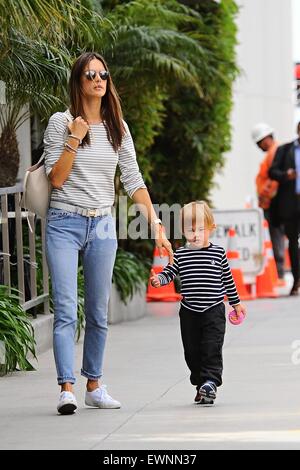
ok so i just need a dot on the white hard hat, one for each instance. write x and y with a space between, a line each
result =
260 131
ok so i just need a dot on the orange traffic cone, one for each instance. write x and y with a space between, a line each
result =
265 281
165 293
234 261
160 261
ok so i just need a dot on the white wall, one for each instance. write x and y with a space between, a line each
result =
264 92
296 29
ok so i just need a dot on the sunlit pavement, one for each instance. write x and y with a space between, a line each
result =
258 407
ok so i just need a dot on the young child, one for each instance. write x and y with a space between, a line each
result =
205 278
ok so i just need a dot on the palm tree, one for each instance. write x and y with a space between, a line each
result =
34 64
30 76
149 58
141 41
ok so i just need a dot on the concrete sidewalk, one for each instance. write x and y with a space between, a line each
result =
257 407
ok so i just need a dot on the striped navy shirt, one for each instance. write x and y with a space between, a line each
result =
205 277
91 181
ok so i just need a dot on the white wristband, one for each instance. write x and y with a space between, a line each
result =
157 221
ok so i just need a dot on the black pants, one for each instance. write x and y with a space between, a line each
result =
292 230
202 335
277 239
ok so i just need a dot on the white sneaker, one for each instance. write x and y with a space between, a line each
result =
67 403
101 399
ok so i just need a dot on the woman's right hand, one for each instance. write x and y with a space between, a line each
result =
79 127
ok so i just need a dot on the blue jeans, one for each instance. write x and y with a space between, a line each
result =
67 235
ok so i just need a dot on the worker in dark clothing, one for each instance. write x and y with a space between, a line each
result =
263 136
285 207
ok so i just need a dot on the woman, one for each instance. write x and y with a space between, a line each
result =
82 149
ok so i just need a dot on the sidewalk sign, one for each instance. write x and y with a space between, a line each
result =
248 224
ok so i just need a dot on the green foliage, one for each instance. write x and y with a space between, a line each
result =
16 332
197 129
173 64
80 303
130 274
149 55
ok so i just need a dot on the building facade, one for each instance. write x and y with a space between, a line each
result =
264 92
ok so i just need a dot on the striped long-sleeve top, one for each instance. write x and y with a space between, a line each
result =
91 181
205 277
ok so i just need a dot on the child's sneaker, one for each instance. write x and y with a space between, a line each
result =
208 393
99 398
198 397
67 403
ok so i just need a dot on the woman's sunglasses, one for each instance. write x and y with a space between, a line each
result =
91 74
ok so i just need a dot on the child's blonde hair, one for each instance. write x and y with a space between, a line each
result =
196 211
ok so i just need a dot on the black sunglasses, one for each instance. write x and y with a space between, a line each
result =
91 74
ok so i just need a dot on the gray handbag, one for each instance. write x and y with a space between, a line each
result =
37 187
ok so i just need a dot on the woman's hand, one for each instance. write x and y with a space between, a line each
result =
142 199
79 127
161 242
154 279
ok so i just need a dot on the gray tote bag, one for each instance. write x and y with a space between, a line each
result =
37 189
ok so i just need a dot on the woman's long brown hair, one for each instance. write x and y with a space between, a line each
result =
111 111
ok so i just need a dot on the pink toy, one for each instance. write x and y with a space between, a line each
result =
232 317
